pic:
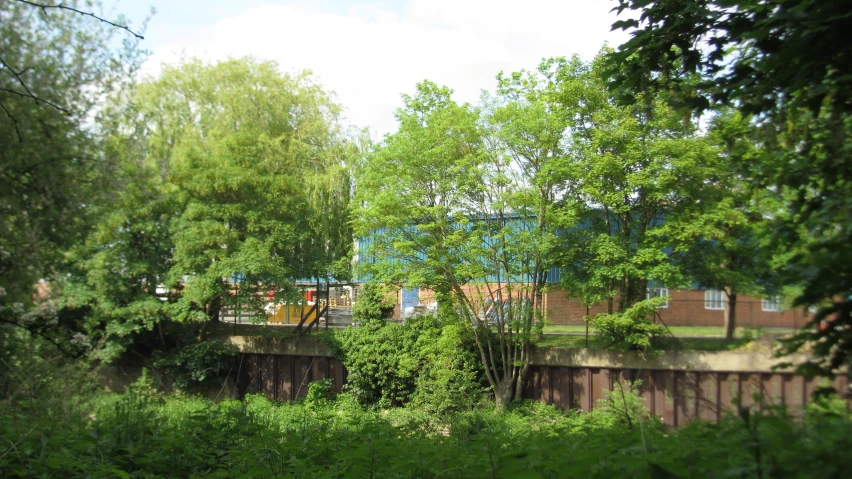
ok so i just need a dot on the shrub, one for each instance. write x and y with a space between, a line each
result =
196 363
320 393
630 329
375 301
425 362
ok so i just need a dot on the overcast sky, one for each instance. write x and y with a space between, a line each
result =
370 52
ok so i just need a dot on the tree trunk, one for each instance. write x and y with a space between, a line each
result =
503 394
730 314
162 336
214 307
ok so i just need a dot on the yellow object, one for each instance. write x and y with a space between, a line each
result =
291 314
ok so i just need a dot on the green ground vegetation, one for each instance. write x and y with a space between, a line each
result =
667 343
700 338
679 331
143 434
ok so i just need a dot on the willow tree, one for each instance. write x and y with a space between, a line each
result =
242 188
453 202
257 159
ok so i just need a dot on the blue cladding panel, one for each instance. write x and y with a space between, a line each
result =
410 297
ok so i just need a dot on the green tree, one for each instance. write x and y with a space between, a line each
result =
238 186
721 241
633 169
443 204
56 70
784 65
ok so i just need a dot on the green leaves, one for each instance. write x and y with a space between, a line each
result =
142 435
779 66
424 362
633 328
629 171
234 183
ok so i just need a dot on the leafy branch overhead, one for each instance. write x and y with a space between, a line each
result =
22 75
784 66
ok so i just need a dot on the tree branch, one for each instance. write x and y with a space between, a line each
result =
62 6
44 336
14 121
36 99
17 74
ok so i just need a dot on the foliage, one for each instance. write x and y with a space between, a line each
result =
375 301
721 242
624 406
456 202
319 393
56 69
634 169
630 329
425 361
235 184
195 363
783 65
139 435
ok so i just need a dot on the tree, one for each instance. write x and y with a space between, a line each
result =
441 205
784 65
721 242
634 168
56 69
239 186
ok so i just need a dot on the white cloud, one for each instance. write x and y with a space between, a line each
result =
369 56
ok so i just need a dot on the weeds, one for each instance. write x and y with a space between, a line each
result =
142 434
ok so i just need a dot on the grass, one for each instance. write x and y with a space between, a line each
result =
668 344
686 338
680 331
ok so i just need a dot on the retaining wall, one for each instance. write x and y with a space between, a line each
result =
677 386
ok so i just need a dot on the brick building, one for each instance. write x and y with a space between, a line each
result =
687 307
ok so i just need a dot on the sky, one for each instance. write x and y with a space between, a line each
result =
371 52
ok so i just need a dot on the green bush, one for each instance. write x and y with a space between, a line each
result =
375 301
630 329
320 393
197 363
425 361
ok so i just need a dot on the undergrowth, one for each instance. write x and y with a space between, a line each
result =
144 434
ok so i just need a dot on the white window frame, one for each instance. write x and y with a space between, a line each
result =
771 304
714 299
657 293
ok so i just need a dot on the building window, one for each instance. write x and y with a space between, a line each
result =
714 299
772 303
657 293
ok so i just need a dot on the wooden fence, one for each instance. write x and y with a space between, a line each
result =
286 377
677 396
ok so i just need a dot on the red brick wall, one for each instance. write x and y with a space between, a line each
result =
559 309
686 308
